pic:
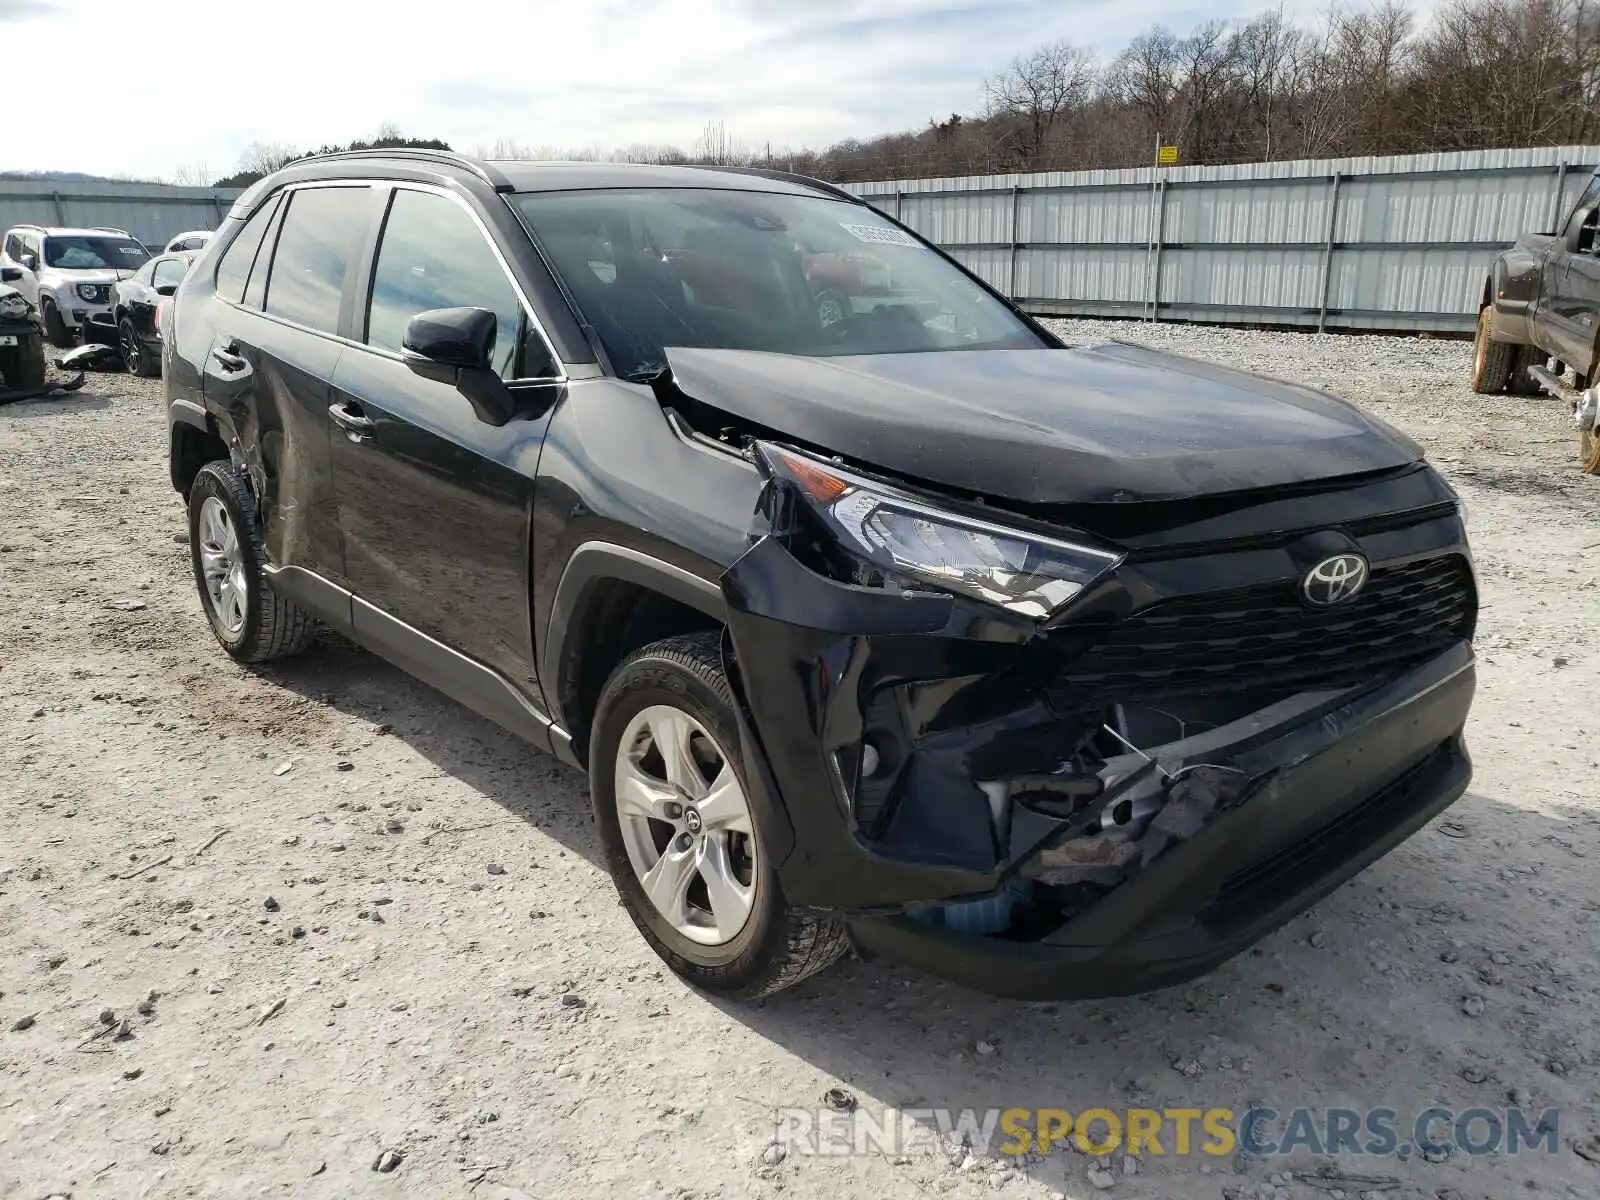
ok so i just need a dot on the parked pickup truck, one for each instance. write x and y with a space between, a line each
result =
1540 317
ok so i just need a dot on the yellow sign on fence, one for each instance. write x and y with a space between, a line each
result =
1167 156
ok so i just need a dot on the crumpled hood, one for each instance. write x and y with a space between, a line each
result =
1110 422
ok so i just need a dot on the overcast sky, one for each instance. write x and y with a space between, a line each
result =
148 87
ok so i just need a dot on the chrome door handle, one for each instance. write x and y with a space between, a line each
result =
229 361
356 425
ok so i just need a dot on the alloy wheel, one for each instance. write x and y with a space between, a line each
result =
686 825
223 567
128 343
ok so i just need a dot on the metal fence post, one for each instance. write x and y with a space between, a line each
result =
1555 201
1327 250
1161 238
61 208
1016 239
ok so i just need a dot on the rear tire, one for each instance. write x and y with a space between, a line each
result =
1492 362
678 684
1589 452
55 328
135 356
1523 384
252 622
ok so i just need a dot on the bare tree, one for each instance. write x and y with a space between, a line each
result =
1037 89
196 174
1362 80
265 157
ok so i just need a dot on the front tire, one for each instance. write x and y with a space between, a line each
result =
252 622
1492 362
682 842
55 328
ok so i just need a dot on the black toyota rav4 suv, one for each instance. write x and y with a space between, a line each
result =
876 615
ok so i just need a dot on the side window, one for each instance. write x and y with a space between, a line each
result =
234 269
142 275
170 270
13 247
322 233
255 292
433 255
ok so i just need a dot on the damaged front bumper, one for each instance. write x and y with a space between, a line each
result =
921 773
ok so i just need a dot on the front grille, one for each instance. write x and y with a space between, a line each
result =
1264 637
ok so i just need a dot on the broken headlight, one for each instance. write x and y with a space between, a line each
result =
910 536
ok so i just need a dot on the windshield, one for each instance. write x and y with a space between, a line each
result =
83 252
738 270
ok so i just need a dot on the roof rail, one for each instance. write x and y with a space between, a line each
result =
30 225
820 185
110 229
448 157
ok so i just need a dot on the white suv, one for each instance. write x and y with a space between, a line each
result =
68 274
195 239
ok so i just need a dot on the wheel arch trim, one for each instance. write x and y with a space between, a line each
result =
597 561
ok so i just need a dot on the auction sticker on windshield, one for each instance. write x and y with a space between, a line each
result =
881 235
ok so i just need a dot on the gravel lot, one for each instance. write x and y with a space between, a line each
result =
372 922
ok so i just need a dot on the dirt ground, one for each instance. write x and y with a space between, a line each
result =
346 921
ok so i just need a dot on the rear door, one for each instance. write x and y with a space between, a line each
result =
271 367
435 503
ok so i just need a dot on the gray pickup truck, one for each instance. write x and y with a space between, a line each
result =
1540 317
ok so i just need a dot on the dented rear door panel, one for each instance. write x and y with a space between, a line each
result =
267 384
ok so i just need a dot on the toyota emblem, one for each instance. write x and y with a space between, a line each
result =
1334 580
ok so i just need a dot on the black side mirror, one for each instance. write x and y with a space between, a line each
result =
10 274
456 346
451 337
1581 230
166 289
30 261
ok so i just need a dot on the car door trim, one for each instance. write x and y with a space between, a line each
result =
329 602
481 688
605 560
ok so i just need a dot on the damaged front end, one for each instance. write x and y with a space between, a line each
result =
1051 766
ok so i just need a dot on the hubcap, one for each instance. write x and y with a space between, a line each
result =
222 567
686 825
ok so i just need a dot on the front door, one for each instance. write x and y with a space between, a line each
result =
435 504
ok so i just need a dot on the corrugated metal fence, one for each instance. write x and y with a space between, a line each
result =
1398 243
152 212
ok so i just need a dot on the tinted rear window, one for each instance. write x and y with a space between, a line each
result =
321 236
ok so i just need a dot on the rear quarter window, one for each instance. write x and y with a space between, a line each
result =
234 269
